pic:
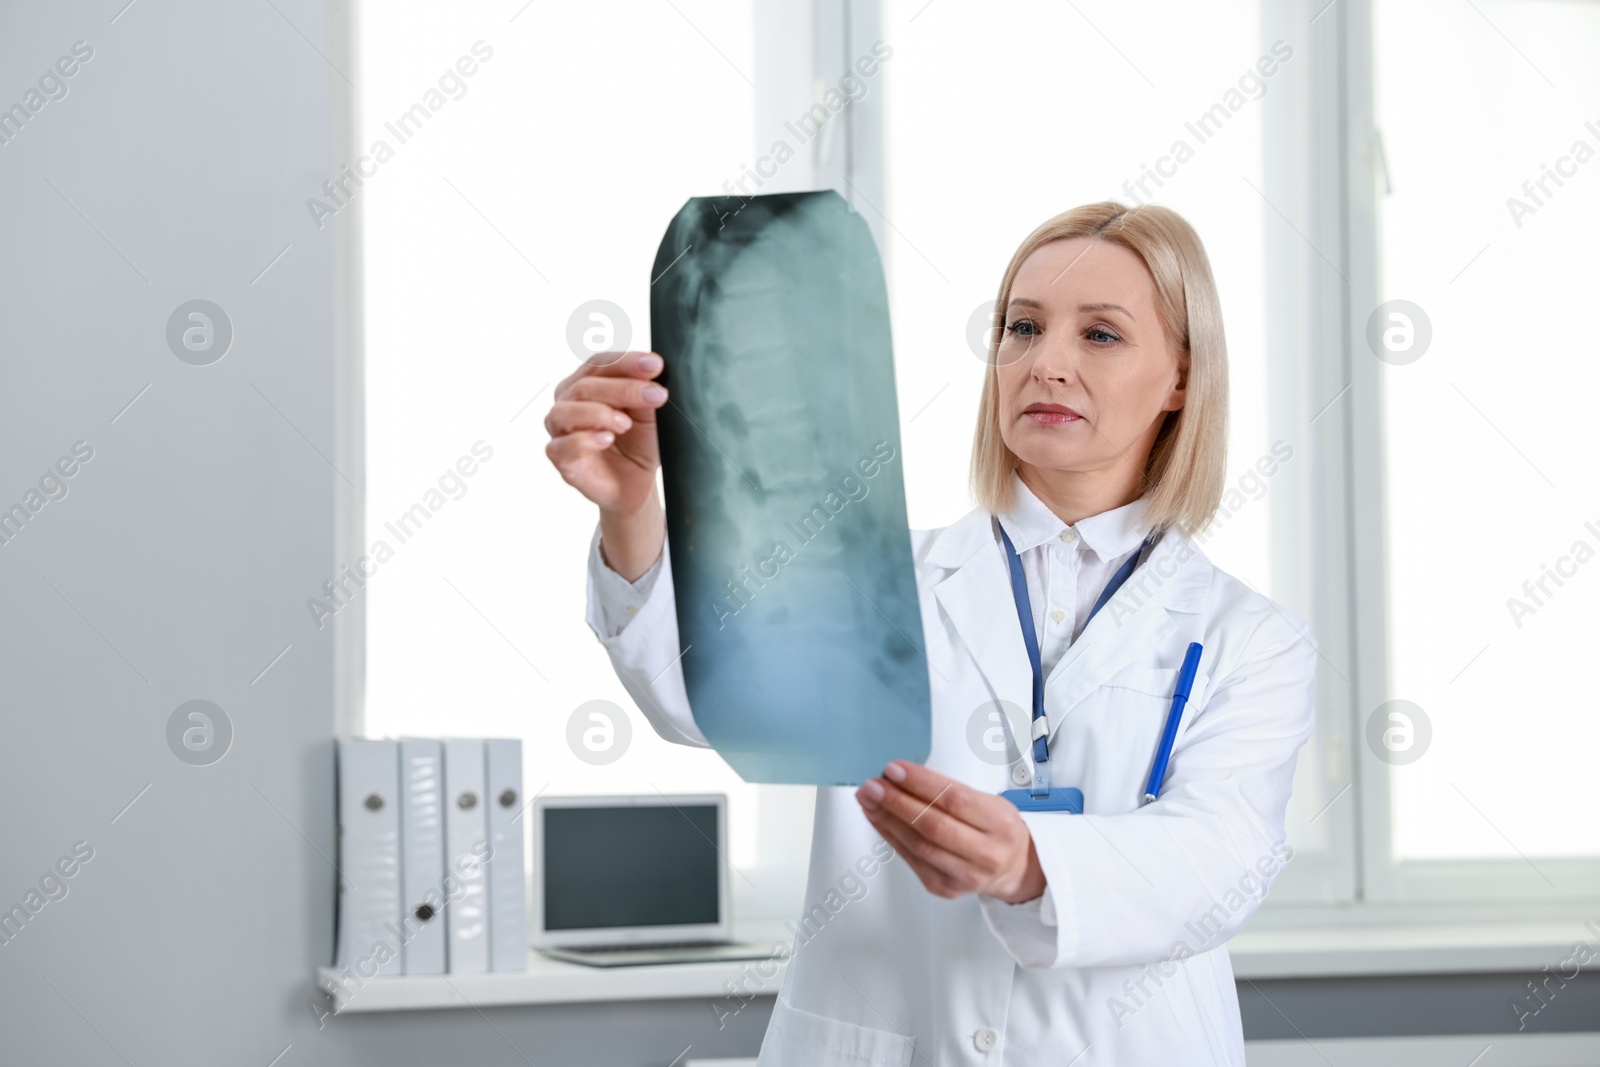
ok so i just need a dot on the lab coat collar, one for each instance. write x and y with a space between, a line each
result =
976 595
1029 523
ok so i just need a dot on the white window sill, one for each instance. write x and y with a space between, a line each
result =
1400 948
1257 952
1511 1050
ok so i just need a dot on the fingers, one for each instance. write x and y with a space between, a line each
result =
917 780
931 864
596 409
639 394
566 450
573 416
612 365
592 398
982 810
953 855
924 818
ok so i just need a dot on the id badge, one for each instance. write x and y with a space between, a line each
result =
1060 798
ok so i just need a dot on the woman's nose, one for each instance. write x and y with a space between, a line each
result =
1055 360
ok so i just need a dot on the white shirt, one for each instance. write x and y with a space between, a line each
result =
617 599
1067 566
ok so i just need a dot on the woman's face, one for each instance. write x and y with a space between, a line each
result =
1086 373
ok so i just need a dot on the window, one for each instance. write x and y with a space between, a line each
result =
1491 515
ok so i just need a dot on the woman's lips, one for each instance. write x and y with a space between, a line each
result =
1051 414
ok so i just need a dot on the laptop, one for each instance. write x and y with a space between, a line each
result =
631 880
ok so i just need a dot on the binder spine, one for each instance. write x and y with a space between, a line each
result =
466 849
369 940
508 930
422 855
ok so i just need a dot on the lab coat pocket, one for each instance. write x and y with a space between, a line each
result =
798 1038
1133 713
1160 682
1156 681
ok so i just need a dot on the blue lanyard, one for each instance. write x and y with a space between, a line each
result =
1019 591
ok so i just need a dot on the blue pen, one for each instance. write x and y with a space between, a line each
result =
1191 663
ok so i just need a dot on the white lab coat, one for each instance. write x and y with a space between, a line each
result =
1122 961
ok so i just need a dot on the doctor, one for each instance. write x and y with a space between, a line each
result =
943 924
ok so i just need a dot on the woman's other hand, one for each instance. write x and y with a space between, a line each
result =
957 839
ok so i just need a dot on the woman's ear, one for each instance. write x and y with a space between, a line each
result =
1179 395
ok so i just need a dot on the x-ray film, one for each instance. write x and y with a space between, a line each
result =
780 448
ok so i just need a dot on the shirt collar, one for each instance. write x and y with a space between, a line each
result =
1030 523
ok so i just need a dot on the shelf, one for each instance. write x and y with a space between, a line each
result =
549 981
1258 953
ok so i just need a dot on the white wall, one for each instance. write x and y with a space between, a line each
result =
176 566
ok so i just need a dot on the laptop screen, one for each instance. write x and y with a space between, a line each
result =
636 865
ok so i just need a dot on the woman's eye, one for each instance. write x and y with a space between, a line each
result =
1022 327
1101 335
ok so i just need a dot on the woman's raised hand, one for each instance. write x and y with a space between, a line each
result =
603 441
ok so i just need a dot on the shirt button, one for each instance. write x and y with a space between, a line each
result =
1058 615
634 611
985 1039
1019 774
1069 536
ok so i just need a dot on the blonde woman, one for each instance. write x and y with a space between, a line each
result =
1063 616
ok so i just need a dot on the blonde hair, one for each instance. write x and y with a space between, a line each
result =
1183 478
